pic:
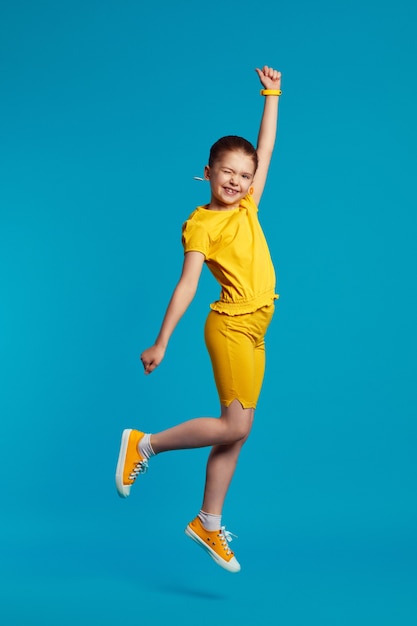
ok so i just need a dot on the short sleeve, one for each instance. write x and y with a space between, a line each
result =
249 203
195 238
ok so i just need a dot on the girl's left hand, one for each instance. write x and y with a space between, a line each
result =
270 78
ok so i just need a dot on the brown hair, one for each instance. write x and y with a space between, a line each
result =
232 143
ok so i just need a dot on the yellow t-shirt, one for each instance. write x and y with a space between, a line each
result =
237 254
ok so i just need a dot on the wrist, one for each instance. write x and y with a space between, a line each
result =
161 344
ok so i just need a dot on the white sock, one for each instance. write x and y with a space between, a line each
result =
210 522
145 447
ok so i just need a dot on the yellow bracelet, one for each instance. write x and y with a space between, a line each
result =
271 92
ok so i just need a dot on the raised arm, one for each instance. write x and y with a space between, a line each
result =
270 79
181 298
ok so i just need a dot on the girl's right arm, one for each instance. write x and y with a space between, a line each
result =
183 294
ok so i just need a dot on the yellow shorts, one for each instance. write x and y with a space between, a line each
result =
236 344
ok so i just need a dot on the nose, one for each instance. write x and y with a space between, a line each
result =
233 179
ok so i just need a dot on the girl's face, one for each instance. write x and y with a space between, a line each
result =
230 179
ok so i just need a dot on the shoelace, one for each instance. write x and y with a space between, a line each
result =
226 537
140 468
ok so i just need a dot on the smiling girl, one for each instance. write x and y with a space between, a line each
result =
224 234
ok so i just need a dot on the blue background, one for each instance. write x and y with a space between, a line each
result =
108 110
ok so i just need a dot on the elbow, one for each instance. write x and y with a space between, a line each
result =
186 291
190 292
265 151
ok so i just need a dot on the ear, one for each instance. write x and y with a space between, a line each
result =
207 172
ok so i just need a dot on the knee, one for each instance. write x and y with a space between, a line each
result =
235 435
240 432
237 427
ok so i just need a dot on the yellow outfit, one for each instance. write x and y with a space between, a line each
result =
237 254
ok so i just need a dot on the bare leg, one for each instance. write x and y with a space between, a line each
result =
232 426
221 466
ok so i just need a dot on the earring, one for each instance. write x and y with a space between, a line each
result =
251 190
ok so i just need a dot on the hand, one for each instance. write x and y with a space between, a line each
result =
151 358
270 78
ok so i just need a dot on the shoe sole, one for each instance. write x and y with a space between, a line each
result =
227 565
122 489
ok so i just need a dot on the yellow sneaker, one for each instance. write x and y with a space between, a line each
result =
130 462
215 543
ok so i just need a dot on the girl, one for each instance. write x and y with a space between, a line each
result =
226 235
